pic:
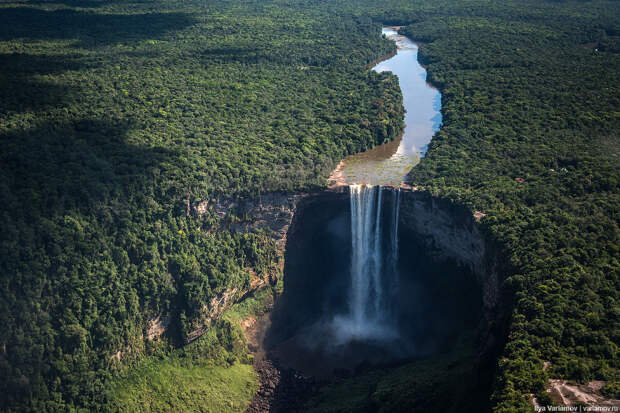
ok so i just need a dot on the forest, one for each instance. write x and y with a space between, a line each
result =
116 118
117 115
530 138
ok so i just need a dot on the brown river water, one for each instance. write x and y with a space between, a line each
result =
389 163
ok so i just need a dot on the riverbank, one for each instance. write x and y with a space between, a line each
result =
389 163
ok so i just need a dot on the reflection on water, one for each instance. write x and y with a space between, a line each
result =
387 164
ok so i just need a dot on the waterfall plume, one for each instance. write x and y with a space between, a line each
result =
374 254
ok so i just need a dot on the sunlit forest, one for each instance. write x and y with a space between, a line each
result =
118 118
531 139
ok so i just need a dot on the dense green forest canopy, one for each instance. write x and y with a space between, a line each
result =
530 138
115 115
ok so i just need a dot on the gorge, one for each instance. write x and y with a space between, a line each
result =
379 276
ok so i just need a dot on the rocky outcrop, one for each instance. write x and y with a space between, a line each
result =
212 312
274 213
157 327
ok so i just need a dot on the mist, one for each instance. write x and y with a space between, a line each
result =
409 305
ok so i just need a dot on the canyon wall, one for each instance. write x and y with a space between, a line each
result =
447 230
274 213
450 231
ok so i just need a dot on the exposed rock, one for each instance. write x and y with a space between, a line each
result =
272 212
254 329
201 207
216 307
337 178
281 390
566 394
157 327
452 232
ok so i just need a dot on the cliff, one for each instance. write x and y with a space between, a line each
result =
450 231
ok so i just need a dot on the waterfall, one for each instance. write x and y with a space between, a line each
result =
394 240
374 258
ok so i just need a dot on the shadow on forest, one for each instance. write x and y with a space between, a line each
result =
25 95
89 28
56 167
43 64
21 91
76 3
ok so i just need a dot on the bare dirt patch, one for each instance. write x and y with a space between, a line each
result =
570 394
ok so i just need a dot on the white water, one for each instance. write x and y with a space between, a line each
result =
374 230
373 266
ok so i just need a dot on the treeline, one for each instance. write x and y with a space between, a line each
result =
114 116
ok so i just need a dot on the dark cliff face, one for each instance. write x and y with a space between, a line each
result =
436 299
450 231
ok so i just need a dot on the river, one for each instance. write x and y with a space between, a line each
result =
388 164
348 299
